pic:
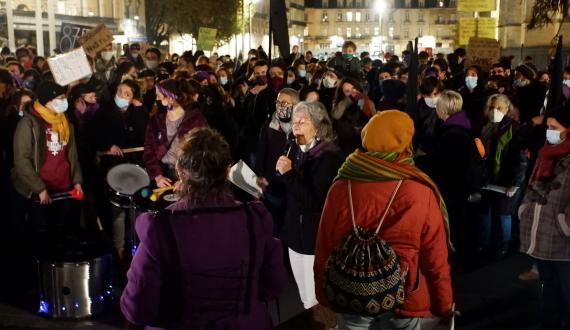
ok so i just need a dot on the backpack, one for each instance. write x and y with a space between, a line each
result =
362 275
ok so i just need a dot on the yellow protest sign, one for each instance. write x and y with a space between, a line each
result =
487 27
475 5
206 38
483 52
466 28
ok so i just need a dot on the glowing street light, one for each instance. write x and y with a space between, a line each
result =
380 7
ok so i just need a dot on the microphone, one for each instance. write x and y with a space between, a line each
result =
287 149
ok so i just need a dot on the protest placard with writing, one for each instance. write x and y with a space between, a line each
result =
483 52
70 35
69 67
96 40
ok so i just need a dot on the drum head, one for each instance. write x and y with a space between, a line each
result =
144 204
127 178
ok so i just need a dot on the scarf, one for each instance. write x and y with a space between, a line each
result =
547 157
58 121
504 139
392 166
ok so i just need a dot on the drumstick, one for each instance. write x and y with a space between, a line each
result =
125 151
156 193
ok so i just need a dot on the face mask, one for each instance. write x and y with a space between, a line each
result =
277 83
284 113
302 73
60 105
567 83
29 84
107 56
261 80
497 116
223 81
471 82
134 54
348 56
519 83
431 101
290 80
553 136
151 64
121 103
329 82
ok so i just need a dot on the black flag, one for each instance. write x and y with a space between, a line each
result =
412 88
278 25
555 91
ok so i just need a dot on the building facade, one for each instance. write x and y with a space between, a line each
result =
125 18
331 22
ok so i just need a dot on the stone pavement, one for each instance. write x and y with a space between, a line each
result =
490 297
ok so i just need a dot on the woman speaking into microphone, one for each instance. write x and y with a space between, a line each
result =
307 173
165 130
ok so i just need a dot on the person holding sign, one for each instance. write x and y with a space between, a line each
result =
45 159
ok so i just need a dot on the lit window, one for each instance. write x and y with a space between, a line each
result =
391 32
358 35
339 17
325 17
349 16
422 3
348 32
376 31
420 32
441 4
357 16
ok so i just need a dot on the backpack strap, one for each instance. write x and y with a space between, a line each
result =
383 215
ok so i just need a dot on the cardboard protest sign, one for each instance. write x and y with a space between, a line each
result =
96 40
69 67
483 52
70 36
466 28
206 38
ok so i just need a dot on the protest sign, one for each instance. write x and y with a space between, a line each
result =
466 28
70 36
96 40
475 5
483 52
69 67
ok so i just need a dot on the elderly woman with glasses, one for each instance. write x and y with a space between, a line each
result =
307 173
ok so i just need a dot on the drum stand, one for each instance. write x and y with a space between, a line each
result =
132 215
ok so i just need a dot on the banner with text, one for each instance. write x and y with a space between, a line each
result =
96 40
69 67
466 28
206 38
475 5
70 36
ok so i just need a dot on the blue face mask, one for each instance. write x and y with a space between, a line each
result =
567 83
60 105
29 84
121 103
223 81
519 83
471 82
302 73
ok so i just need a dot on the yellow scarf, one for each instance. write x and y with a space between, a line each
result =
58 121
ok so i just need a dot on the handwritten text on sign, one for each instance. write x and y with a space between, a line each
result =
96 40
69 67
483 52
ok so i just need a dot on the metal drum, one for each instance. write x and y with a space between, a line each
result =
75 278
124 181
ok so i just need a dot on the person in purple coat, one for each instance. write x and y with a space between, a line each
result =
207 261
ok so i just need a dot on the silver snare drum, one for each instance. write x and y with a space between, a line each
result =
124 181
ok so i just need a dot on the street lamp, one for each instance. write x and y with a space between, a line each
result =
380 6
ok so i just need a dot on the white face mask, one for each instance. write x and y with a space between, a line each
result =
497 116
471 82
431 101
60 105
151 64
329 82
290 80
107 56
567 83
553 136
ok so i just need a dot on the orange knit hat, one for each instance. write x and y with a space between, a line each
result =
388 131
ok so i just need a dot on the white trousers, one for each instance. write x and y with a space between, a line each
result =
302 266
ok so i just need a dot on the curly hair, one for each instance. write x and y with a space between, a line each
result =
203 162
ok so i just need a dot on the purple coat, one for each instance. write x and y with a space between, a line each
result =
192 270
156 140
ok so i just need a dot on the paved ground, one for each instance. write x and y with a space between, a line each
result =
489 297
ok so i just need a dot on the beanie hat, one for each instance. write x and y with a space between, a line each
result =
388 131
48 90
200 76
527 72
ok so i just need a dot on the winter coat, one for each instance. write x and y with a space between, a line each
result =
307 185
348 121
545 216
208 266
156 143
427 125
350 67
414 227
530 100
29 155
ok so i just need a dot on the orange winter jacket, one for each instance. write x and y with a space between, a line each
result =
414 228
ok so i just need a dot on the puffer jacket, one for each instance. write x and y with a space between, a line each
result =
414 227
545 216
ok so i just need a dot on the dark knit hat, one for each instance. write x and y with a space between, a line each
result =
527 72
48 91
393 89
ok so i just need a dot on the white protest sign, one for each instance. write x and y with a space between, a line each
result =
69 67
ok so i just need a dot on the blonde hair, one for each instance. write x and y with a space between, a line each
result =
450 102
